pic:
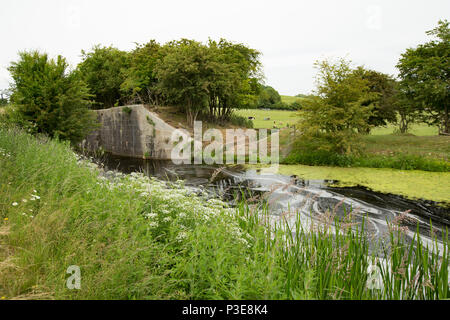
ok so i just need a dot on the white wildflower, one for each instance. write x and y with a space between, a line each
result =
181 236
153 224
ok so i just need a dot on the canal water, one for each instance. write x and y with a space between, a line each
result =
291 197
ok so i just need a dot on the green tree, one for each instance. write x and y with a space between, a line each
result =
103 69
51 99
210 79
235 77
332 118
383 87
407 110
268 97
182 76
141 84
425 77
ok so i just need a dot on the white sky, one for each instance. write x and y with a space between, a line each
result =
290 34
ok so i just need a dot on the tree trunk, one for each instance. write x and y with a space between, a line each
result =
446 125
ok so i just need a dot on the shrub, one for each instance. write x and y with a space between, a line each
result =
332 119
50 99
127 110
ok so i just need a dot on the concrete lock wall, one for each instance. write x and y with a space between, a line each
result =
131 131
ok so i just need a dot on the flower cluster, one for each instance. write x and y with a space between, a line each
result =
4 153
173 209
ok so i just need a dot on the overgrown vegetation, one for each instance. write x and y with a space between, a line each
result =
104 70
397 151
138 238
47 98
202 79
399 161
333 119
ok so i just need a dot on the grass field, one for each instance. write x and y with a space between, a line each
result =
291 118
281 117
416 129
427 146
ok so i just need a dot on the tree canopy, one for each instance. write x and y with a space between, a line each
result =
50 99
383 87
340 109
103 69
425 77
210 79
140 84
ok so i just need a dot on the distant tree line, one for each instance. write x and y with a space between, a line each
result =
269 98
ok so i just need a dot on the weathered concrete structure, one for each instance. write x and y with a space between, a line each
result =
131 131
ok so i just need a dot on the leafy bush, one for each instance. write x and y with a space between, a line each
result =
127 110
49 99
333 118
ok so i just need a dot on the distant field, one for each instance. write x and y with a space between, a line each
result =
416 129
281 117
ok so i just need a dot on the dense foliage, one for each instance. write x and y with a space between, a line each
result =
383 87
425 78
202 79
268 97
141 84
3 98
103 70
331 120
49 99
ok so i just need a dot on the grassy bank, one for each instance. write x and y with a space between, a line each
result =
394 160
404 152
138 238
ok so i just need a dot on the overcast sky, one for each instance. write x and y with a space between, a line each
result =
290 34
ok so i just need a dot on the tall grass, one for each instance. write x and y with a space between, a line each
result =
139 238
